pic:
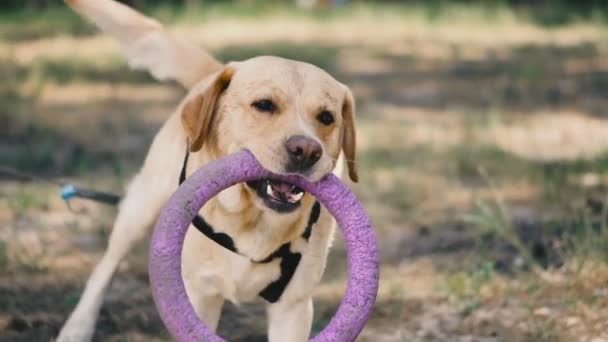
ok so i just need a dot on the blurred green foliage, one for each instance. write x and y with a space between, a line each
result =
544 12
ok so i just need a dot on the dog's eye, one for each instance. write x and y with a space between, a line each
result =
266 106
325 117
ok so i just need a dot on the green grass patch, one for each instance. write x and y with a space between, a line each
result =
465 286
26 199
112 70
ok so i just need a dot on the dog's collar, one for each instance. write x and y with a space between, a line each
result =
289 260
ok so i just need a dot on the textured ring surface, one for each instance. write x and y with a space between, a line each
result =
168 289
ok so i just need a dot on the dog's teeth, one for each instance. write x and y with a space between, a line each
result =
296 197
269 190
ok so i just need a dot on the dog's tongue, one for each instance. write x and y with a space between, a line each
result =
284 191
281 186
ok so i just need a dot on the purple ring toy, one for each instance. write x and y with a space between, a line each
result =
167 241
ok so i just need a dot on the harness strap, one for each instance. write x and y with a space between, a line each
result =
289 260
199 222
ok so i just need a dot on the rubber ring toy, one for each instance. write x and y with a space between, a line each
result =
176 311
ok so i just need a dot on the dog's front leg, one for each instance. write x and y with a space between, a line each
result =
201 290
208 309
136 214
290 321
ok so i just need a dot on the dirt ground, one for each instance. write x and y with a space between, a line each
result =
482 155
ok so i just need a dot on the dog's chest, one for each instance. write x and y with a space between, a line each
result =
259 261
218 271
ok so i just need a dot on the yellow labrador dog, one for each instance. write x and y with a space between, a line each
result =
264 239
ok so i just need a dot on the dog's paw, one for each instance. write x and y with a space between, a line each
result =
76 332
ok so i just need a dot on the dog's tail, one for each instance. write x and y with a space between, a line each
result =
146 44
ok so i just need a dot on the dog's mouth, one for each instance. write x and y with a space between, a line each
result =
278 195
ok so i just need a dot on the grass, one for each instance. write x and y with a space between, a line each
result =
36 143
115 70
584 233
544 332
25 200
3 255
465 286
431 11
71 300
319 55
485 170
64 70
589 237
55 21
58 20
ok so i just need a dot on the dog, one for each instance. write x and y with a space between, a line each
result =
295 119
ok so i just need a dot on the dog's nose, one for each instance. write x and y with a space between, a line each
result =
303 153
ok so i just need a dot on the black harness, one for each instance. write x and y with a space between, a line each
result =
289 260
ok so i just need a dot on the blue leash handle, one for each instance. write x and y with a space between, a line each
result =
69 191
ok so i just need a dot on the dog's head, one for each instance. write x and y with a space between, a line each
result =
294 117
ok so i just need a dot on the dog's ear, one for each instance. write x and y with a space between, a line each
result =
146 43
198 113
349 134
